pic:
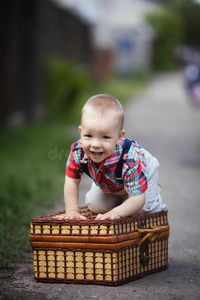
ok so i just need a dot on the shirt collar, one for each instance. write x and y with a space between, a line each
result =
111 161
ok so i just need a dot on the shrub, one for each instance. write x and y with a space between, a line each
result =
168 30
63 86
189 12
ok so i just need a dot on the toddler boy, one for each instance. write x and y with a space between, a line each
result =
102 152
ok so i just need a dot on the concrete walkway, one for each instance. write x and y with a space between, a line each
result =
162 121
165 123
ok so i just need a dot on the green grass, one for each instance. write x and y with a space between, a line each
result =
32 177
32 163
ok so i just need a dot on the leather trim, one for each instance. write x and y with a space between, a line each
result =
85 245
87 238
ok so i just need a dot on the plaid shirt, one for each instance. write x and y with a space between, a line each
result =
133 170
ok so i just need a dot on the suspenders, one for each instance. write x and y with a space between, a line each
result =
118 172
84 166
125 148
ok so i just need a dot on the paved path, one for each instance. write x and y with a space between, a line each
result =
161 120
166 124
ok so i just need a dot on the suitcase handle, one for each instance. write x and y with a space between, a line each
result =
152 233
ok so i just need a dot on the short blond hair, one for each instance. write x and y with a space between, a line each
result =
103 103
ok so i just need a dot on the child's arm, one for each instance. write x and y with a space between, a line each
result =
128 208
71 194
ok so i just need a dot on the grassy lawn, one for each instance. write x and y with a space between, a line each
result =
32 172
31 181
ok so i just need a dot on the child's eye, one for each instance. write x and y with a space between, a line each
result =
106 137
88 136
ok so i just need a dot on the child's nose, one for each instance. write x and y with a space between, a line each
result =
96 143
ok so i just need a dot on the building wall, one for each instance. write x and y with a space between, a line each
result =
31 31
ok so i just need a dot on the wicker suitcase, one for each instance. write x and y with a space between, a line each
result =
109 252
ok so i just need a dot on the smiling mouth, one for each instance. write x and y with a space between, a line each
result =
96 153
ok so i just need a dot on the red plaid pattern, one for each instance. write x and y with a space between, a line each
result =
133 171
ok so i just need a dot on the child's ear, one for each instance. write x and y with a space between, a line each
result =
79 129
121 135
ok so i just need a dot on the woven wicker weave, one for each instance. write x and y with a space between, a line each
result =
109 252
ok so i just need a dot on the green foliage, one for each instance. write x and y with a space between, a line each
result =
63 86
168 31
31 181
189 12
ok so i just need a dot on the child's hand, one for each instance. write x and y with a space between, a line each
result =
70 215
112 215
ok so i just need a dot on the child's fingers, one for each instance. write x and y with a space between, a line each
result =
99 216
82 217
59 217
70 217
103 217
77 217
107 216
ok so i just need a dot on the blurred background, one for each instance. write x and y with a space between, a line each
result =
52 50
54 55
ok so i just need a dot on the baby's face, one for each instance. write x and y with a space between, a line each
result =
99 135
